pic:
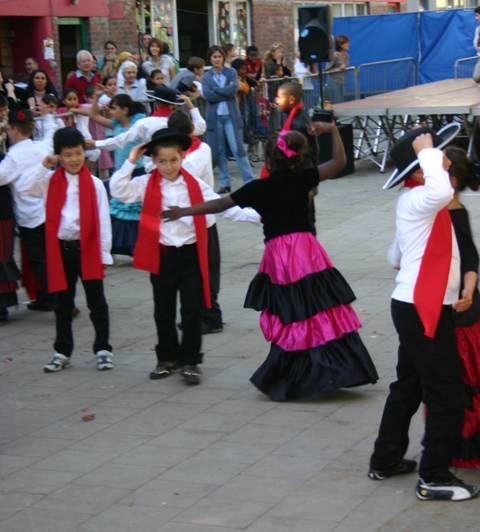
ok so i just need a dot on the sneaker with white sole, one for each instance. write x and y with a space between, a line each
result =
57 363
104 360
402 468
453 490
191 373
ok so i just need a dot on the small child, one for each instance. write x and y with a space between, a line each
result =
155 80
48 105
78 238
188 81
110 89
175 254
79 121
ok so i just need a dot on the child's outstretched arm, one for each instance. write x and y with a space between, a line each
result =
209 207
338 160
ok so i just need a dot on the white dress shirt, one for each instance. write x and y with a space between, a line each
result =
199 164
144 129
29 211
36 184
416 211
182 231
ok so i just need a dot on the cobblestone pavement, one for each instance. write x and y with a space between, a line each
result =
219 457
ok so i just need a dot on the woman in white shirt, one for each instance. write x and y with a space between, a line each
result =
157 60
132 86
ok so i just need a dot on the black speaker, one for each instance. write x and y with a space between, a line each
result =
325 143
315 32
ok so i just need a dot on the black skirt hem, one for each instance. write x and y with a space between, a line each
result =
341 363
302 299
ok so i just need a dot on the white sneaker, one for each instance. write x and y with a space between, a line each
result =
57 363
104 360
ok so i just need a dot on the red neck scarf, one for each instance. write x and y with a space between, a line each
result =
162 111
90 256
264 173
147 249
195 145
432 280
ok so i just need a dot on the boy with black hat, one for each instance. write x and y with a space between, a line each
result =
174 253
428 369
29 212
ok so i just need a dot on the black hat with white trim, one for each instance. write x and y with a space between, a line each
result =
404 156
165 94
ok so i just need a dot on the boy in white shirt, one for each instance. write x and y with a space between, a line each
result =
175 253
78 237
427 287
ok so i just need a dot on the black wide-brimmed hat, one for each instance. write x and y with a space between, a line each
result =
24 115
168 133
403 154
165 94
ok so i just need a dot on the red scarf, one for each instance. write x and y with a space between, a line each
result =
264 173
147 249
195 145
162 111
432 280
90 256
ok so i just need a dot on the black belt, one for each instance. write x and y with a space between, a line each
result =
70 245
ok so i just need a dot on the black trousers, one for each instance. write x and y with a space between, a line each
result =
64 302
179 272
428 370
213 316
34 243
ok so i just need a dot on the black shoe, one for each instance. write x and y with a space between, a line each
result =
208 328
404 467
38 305
163 370
224 190
191 374
453 490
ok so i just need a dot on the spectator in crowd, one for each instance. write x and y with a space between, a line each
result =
230 52
110 48
24 96
132 86
254 65
336 68
176 64
40 85
108 68
224 121
157 60
122 57
141 74
83 76
8 90
144 42
31 64
275 56
185 79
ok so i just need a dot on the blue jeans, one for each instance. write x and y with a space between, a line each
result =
225 129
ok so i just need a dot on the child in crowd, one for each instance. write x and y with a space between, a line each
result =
29 212
175 254
78 241
305 301
79 120
254 64
427 287
124 112
155 79
198 161
109 90
48 105
97 132
188 81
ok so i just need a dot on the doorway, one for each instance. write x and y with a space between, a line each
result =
192 26
73 38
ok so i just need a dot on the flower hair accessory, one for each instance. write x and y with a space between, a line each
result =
21 116
282 144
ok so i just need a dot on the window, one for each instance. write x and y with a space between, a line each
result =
231 24
350 9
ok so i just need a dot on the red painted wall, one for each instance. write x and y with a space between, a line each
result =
55 8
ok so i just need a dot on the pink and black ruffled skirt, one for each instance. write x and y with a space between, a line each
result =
307 317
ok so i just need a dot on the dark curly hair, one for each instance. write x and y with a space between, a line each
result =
277 160
463 169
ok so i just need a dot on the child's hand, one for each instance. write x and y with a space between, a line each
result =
173 213
136 153
90 144
50 161
464 303
43 108
99 90
422 142
186 99
317 128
